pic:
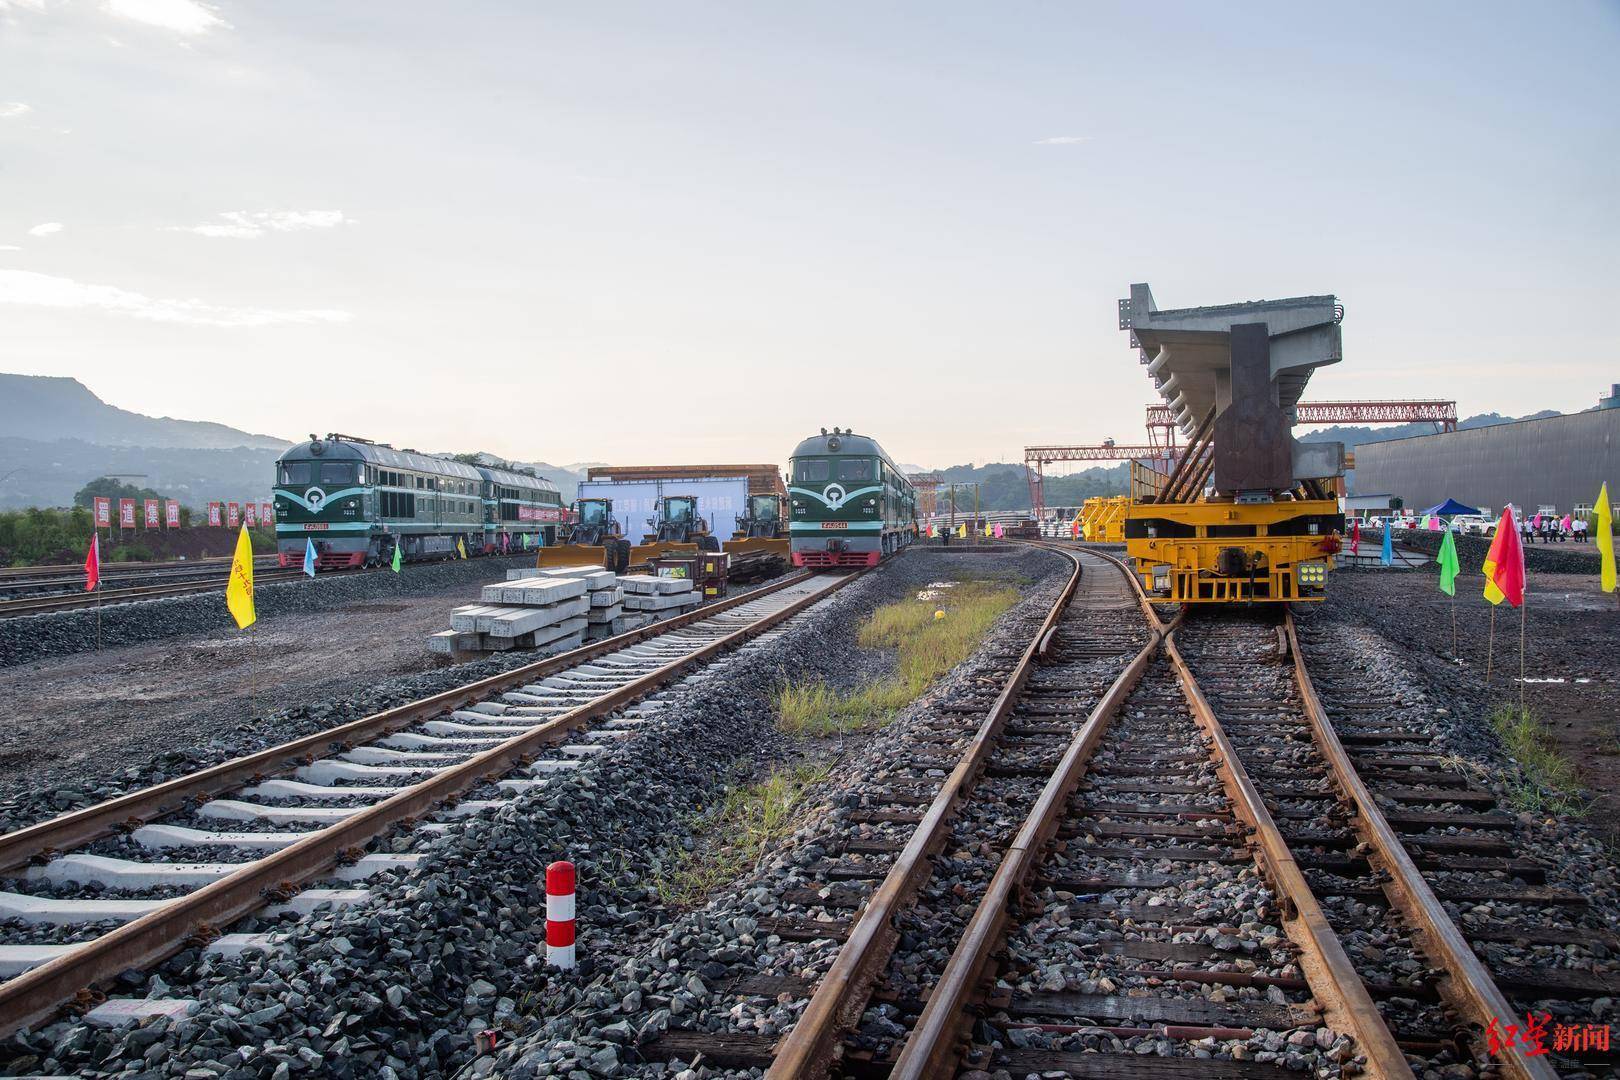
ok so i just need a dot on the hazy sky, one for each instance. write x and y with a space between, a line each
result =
680 232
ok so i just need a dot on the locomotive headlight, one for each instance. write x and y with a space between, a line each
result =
1313 574
1161 578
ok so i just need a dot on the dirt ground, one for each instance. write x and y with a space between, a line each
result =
95 714
1571 659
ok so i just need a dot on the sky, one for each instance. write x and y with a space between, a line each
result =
677 233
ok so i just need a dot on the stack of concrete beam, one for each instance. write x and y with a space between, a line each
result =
539 611
607 615
661 597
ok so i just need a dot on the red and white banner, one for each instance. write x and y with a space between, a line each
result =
154 516
172 513
539 513
103 513
213 515
233 515
126 513
250 514
267 513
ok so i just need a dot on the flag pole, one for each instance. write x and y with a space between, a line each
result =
1456 654
1522 606
1490 643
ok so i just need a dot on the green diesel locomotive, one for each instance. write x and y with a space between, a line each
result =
358 500
849 503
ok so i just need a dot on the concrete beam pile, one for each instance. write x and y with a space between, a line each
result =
661 597
551 610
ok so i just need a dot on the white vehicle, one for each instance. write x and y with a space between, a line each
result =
1473 524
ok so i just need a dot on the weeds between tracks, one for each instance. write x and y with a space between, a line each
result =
926 647
731 838
1552 783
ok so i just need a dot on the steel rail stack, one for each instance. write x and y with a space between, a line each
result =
353 783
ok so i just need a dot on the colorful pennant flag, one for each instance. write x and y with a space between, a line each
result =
1386 555
1602 521
309 556
1355 537
239 593
1448 565
461 547
92 564
1504 563
396 563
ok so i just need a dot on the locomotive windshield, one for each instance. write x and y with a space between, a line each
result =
295 472
855 469
811 470
340 472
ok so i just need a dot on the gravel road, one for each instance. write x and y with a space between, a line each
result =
42 637
88 725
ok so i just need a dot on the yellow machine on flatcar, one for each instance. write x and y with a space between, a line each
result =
1245 514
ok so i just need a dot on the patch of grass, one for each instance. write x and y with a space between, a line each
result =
732 837
1552 783
927 647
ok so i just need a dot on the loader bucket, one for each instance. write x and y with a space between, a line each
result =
570 555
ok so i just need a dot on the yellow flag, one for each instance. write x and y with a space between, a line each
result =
461 547
987 528
961 530
1602 523
239 592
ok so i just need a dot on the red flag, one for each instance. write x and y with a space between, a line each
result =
1504 564
1355 537
92 563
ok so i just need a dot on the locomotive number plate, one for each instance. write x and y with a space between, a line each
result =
315 526
835 524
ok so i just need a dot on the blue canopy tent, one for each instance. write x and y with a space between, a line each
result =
1451 508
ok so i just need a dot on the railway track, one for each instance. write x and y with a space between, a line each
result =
19 581
128 882
1155 857
42 605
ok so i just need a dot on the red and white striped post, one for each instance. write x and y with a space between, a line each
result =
560 915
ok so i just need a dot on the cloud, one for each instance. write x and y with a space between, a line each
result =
10 110
252 224
189 17
19 5
9 247
46 229
29 289
1063 140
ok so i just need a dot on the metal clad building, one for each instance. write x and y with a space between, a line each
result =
1559 460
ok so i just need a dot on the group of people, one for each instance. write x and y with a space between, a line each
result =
1553 529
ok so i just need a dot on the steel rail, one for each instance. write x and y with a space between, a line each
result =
36 994
933 1046
811 1047
1346 1004
82 826
38 605
1462 980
